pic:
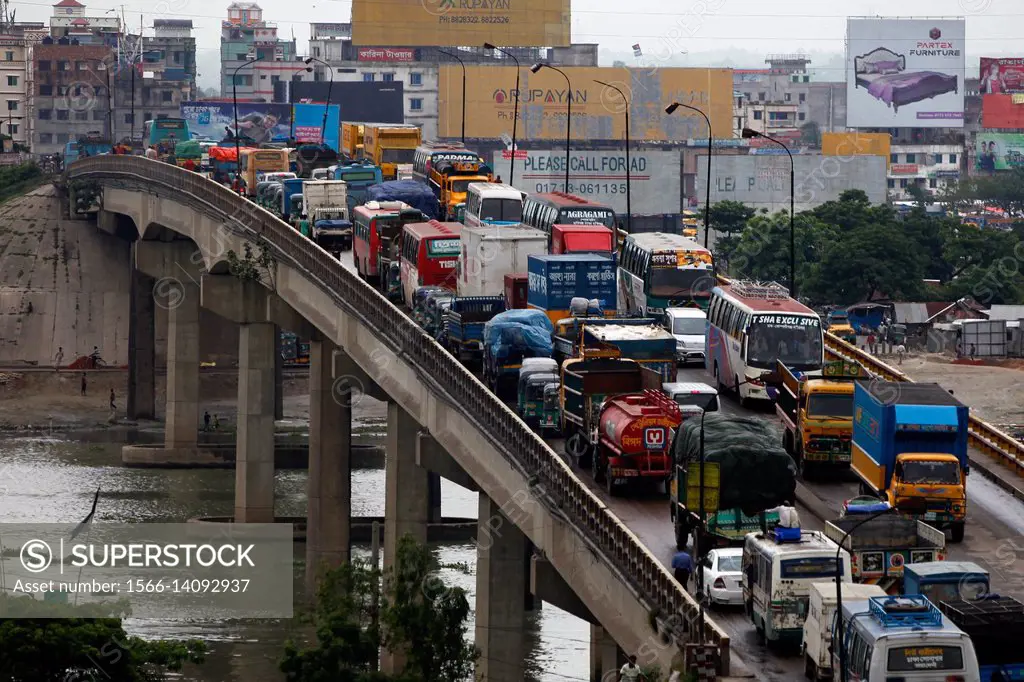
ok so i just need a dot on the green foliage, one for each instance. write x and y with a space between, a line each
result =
730 216
88 195
251 267
15 180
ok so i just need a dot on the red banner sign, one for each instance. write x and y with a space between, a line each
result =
1000 76
507 154
386 54
999 112
903 168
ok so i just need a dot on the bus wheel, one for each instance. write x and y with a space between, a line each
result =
957 531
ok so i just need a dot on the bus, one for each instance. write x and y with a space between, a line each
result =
255 163
903 638
448 169
750 327
488 203
376 236
430 256
165 129
777 577
658 271
544 211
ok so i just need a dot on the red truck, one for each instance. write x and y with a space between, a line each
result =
636 438
515 290
582 239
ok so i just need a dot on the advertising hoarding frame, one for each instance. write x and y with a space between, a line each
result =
1002 151
213 118
1006 78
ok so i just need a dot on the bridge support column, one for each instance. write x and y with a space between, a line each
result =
278 375
141 345
182 427
329 485
605 655
254 467
501 582
407 500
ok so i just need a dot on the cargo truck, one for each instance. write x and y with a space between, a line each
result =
910 449
640 339
325 203
490 252
553 281
352 140
880 547
510 337
464 322
636 437
390 144
946 580
358 177
817 415
582 239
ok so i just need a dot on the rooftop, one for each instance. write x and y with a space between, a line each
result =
69 3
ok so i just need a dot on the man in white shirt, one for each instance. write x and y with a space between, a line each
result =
631 671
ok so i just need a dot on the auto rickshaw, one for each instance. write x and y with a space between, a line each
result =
392 287
531 400
551 417
433 311
419 300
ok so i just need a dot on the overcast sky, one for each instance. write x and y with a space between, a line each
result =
708 30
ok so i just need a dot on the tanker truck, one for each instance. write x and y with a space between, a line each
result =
636 432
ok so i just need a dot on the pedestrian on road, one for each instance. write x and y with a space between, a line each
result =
901 350
113 406
58 359
216 422
871 343
83 383
631 671
972 352
682 567
206 421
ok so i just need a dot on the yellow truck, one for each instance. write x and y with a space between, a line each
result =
352 140
448 168
388 145
817 415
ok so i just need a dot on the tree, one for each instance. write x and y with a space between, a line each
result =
762 252
1004 190
729 218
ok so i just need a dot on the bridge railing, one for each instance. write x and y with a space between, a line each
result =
517 443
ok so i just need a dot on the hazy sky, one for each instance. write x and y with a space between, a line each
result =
705 29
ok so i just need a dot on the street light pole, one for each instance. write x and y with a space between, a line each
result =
629 209
749 133
707 199
291 129
327 107
568 114
463 65
515 113
234 102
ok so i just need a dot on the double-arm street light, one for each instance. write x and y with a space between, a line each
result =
515 112
463 65
234 102
110 123
670 109
330 87
568 113
749 133
625 110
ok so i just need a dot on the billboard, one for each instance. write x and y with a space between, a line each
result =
386 54
258 121
654 182
1001 75
856 144
1002 111
597 111
440 23
905 73
309 121
380 102
998 151
763 181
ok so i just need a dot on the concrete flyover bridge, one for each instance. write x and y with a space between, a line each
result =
540 528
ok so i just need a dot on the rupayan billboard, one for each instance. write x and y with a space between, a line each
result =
905 73
763 181
998 151
441 23
1001 75
597 110
654 177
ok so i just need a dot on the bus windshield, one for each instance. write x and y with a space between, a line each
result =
398 155
674 282
794 340
508 210
830 405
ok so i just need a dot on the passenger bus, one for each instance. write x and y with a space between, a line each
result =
256 163
659 271
777 577
165 129
488 203
903 638
430 255
376 236
544 211
750 327
448 168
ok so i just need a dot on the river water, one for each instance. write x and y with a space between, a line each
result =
52 480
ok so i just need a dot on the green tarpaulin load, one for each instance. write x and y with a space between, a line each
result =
756 473
189 149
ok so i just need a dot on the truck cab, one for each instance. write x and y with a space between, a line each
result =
582 239
838 322
946 580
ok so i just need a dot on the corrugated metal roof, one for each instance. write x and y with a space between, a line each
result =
1006 312
911 313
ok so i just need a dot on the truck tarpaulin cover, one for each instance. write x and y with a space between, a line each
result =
333 225
412 192
188 150
523 331
756 473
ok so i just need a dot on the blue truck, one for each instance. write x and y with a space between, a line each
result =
464 323
509 338
554 280
910 449
412 192
292 186
359 176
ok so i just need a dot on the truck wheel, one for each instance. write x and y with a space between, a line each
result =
596 468
957 531
810 669
609 482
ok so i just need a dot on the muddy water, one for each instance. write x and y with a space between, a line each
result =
53 480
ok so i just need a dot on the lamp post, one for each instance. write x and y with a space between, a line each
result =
110 124
629 209
515 113
463 65
234 103
707 200
568 113
330 87
749 133
291 130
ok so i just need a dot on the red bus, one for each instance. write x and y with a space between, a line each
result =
544 211
376 236
430 254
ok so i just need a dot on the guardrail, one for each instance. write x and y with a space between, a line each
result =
510 436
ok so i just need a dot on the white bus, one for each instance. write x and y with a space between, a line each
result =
659 271
750 327
777 578
488 203
903 638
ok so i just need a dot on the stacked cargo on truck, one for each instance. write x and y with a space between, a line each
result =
325 203
491 252
995 624
639 339
411 192
448 168
555 280
511 337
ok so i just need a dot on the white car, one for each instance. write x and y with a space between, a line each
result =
723 576
688 325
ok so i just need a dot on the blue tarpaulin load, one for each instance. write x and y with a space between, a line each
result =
334 224
412 192
521 332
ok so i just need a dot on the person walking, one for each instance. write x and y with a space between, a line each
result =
631 671
973 350
682 567
84 384
871 343
58 359
113 405
901 350
206 421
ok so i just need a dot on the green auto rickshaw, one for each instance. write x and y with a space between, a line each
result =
534 375
433 311
419 301
552 415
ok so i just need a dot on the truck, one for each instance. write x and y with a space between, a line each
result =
448 168
311 157
881 546
816 647
553 281
640 339
358 176
946 580
411 192
352 140
636 437
390 144
910 449
90 144
516 290
838 322
489 252
589 386
582 239
325 203
509 338
290 188
817 415
755 477
464 322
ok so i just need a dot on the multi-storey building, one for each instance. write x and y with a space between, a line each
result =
14 93
252 56
71 96
70 21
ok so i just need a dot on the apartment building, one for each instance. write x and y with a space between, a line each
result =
14 93
71 95
252 56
